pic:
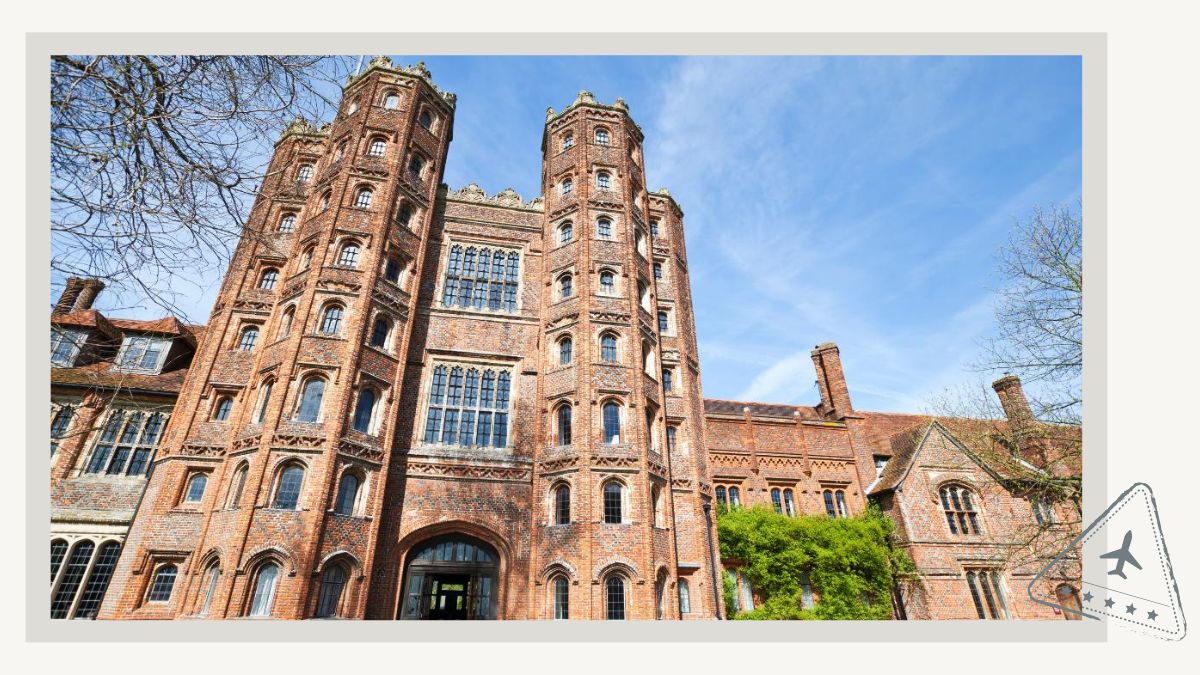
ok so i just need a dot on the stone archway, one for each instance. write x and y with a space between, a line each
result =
451 576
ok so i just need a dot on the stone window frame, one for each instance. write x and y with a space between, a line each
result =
552 491
835 494
287 321
615 270
623 429
215 409
319 321
96 435
415 154
556 350
566 140
672 326
58 407
378 413
262 398
626 495
282 465
609 137
556 423
618 347
424 109
233 497
402 265
364 195
302 380
414 212
984 602
645 295
566 186
565 279
300 171
974 511
194 474
723 493
605 584
443 270
466 364
373 140
265 278
158 566
614 226
650 360
283 218
389 343
559 229
608 174
243 341
325 201
388 93
359 506
658 505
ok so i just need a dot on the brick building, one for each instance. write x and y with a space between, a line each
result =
414 402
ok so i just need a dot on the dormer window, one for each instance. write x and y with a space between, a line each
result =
144 353
65 345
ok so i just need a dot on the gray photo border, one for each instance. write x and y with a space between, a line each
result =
39 46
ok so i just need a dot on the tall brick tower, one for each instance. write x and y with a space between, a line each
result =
268 486
620 391
418 403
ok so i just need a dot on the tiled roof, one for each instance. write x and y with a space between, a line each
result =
102 375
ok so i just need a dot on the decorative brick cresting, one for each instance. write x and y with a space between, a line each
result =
372 426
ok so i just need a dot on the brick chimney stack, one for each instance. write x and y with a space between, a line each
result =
835 395
78 294
1012 399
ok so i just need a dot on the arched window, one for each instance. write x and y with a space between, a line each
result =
287 223
685 597
211 576
332 583
392 269
611 416
72 577
564 286
223 408
608 348
986 592
672 436
248 338
648 358
563 424
347 494
959 506
325 200
562 504
603 181
287 488
568 141
163 584
789 502
415 166
735 497
657 509
721 499
380 332
263 598
561 597
195 491
614 497
566 186
348 257
601 136
608 282
237 485
604 227
391 100
377 148
830 509
264 398
404 214
564 351
840 497
425 119
644 294
565 232
97 583
285 321
58 551
304 173
614 597
777 500
311 395
364 410
306 258
331 319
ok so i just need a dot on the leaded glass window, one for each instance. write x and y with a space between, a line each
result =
481 278
65 345
565 232
562 505
97 583
332 583
567 186
658 270
672 437
347 494
305 173
311 396
264 590
840 497
377 148
721 500
604 228
830 510
331 319
667 376
72 577
143 353
614 598
391 101
664 323
249 337
608 348
59 424
379 332
163 584
777 500
126 443
685 597
362 200
735 497
425 119
287 223
58 551
564 424
212 576
287 492
789 502
987 594
224 406
237 486
349 254
263 401
564 286
613 497
603 181
196 487
468 406
392 270
959 507
608 283
269 278
611 418
602 136
564 351
561 598
363 410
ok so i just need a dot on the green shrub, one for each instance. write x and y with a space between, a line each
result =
848 561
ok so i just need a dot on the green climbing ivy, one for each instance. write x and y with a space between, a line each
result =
848 561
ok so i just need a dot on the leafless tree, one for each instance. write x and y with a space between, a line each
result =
155 160
1039 315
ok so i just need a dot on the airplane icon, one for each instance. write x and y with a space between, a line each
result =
1122 556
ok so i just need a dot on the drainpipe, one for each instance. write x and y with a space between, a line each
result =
714 561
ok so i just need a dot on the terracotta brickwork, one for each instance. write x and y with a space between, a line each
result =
417 402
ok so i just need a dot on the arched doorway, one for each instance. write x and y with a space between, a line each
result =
450 577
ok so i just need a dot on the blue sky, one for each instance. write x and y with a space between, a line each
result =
849 199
